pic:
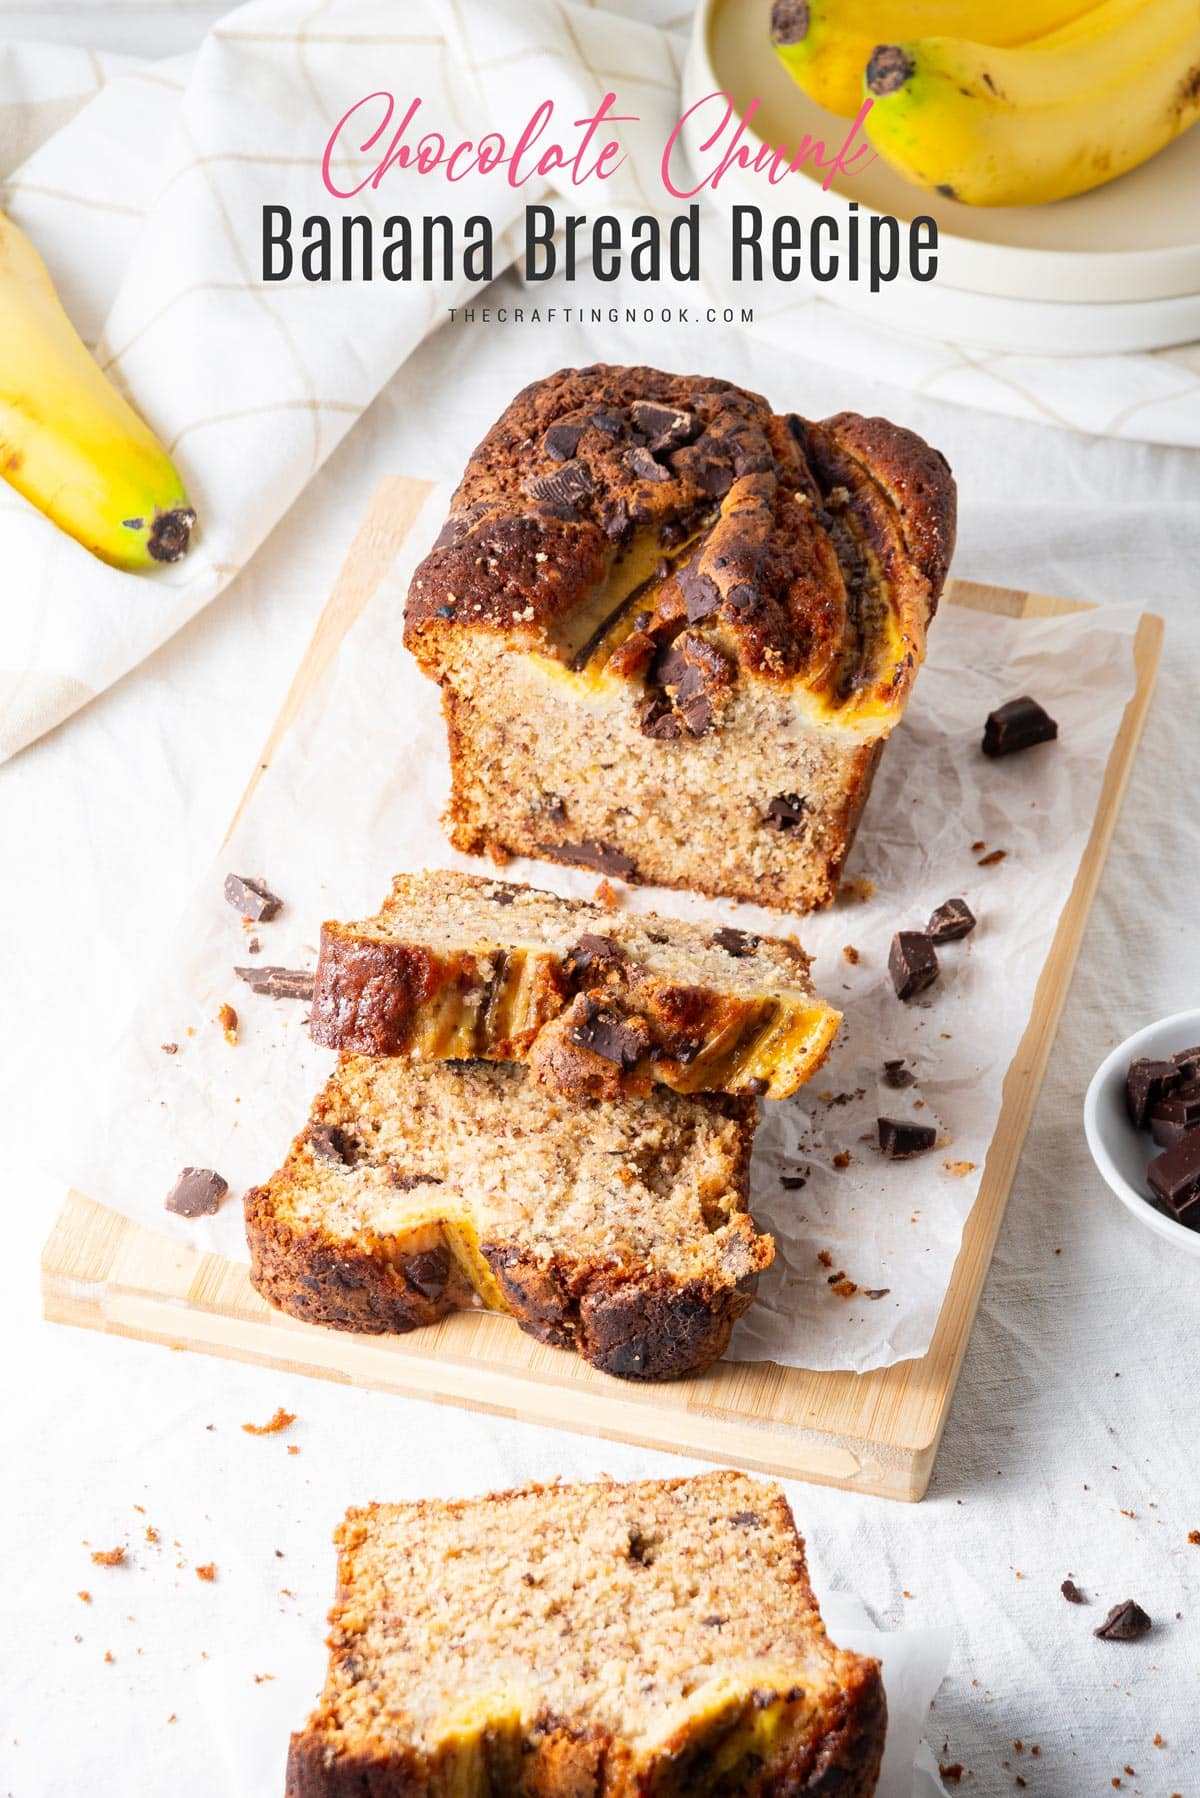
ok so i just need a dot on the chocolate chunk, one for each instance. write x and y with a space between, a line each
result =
617 522
428 1271
786 812
664 427
253 898
895 1074
608 420
793 1182
1188 1063
569 482
1173 1117
701 595
735 942
591 854
605 1033
642 462
876 1292
912 963
1071 1592
1174 1178
1124 1623
696 710
1147 1084
1020 724
405 1182
743 595
951 921
711 476
747 1520
592 955
900 1139
658 719
561 442
329 1142
197 1193
279 983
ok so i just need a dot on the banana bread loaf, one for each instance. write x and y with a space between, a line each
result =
673 630
424 1187
597 1003
589 1641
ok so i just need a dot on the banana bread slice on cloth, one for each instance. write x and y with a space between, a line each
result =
586 1641
597 1003
424 1187
673 629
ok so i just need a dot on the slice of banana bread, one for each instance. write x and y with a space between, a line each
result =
589 1641
424 1187
597 1003
673 630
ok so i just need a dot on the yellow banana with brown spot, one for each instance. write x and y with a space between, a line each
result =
1053 118
825 44
68 440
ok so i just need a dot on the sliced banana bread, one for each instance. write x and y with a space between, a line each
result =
598 1003
424 1187
673 629
589 1641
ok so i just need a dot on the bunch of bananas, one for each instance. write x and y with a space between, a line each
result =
1001 102
68 440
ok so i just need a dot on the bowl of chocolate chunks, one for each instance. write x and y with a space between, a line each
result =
1142 1119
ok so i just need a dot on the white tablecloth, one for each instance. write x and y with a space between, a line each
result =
1071 1448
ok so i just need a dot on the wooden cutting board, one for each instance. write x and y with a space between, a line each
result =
875 1432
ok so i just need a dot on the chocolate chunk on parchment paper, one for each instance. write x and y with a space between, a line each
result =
1021 724
197 1193
1126 1622
1071 1592
912 963
900 1138
252 897
897 1075
279 983
952 921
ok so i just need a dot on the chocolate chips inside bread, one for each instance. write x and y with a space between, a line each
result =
421 1188
597 1003
589 1641
673 629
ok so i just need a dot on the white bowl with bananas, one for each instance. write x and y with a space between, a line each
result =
1110 269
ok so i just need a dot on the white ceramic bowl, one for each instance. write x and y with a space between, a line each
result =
1120 1152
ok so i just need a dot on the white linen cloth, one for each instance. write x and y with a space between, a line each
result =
105 829
141 183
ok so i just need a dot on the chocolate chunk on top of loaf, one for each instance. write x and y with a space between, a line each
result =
706 607
597 1002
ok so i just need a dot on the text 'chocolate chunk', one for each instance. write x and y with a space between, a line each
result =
1021 724
253 898
951 921
197 1193
912 963
900 1139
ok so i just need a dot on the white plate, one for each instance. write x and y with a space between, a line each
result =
1120 1152
1114 270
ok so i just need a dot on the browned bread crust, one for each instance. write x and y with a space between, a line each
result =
775 1712
673 629
373 1225
598 1003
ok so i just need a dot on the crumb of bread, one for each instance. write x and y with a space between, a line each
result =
852 955
227 1018
86 1597
272 1427
824 1257
606 896
108 1557
958 1168
207 1572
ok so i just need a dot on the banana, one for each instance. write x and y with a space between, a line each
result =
825 44
1056 117
68 440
